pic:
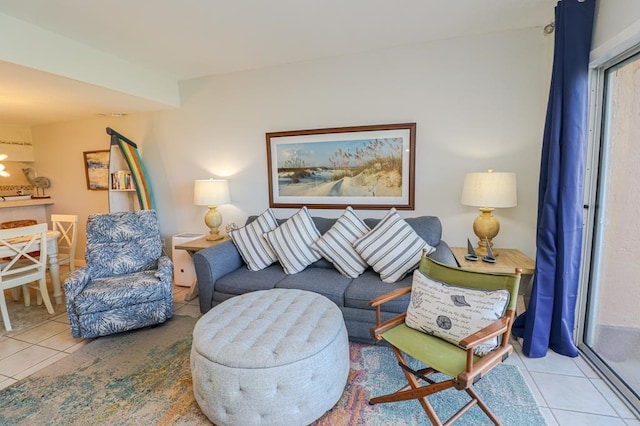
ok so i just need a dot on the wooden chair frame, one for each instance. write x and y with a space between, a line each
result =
15 295
476 367
23 267
67 225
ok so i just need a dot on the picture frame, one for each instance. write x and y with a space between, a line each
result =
365 167
96 168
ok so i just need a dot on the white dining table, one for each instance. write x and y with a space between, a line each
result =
52 254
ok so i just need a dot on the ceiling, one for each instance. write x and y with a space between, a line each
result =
178 40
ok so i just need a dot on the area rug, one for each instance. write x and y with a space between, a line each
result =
24 317
143 378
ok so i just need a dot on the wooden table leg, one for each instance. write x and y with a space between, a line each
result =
54 269
192 247
193 289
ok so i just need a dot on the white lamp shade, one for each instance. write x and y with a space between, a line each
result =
211 192
496 190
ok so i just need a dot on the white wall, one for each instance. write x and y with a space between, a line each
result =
59 156
612 17
478 102
616 30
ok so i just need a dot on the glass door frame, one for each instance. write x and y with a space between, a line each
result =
595 170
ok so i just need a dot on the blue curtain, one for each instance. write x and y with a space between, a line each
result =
549 319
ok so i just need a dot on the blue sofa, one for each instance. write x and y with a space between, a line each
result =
222 274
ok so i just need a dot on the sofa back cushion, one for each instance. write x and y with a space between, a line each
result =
323 224
429 228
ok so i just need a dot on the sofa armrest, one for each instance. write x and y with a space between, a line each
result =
443 254
211 264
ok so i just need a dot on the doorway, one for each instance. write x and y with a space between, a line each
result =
611 332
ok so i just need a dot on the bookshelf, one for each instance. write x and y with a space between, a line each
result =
121 181
122 189
129 186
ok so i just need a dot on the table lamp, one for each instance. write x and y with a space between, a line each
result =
488 191
211 193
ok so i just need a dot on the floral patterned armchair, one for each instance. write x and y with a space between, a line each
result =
127 283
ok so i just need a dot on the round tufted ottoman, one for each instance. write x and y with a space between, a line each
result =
271 357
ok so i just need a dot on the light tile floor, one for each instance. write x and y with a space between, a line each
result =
568 390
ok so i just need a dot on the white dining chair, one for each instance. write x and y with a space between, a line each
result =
17 244
15 292
67 225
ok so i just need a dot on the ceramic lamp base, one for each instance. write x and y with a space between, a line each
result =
486 226
213 220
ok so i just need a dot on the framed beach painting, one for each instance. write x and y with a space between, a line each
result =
96 168
366 167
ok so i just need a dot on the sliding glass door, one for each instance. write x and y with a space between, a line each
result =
611 333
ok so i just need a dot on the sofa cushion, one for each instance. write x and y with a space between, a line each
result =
327 282
109 293
392 248
453 313
322 263
368 286
243 280
250 242
335 245
428 227
323 224
291 242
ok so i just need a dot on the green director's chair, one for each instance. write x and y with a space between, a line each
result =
457 358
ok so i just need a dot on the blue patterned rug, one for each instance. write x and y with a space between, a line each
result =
143 378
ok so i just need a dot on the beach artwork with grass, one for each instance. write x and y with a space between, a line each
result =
345 168
362 166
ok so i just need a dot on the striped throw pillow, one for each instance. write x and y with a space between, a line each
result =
392 248
249 241
336 244
291 242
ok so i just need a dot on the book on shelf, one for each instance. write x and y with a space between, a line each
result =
121 180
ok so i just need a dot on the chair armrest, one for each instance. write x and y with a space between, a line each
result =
377 302
384 298
478 369
379 328
496 328
165 268
490 360
76 282
73 286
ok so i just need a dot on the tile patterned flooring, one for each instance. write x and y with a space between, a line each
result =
568 390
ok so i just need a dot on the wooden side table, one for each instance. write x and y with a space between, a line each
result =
506 262
192 247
